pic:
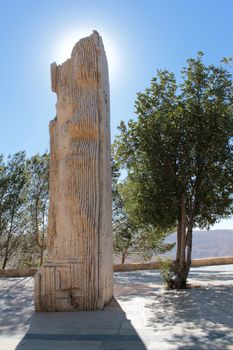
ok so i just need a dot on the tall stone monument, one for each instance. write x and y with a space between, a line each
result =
78 272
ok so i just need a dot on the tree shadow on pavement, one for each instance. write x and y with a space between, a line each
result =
195 318
16 304
211 274
129 285
200 318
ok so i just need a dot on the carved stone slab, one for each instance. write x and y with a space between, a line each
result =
78 273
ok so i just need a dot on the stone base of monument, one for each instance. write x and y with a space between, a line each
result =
57 288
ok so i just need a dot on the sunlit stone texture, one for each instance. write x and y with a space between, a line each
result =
78 272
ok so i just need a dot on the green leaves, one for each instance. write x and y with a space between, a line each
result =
181 141
38 200
24 193
13 192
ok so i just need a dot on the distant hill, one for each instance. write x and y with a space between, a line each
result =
208 244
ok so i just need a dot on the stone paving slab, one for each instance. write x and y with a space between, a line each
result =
143 316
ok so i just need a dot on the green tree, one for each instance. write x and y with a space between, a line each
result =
142 241
179 155
27 254
38 199
122 234
13 189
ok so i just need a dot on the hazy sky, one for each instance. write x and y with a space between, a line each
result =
139 36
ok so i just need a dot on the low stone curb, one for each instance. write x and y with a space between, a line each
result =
154 265
17 272
226 260
127 267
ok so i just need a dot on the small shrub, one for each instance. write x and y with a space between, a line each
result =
166 269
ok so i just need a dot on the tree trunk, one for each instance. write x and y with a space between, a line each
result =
178 241
6 251
4 262
42 245
123 257
181 268
189 246
41 255
8 239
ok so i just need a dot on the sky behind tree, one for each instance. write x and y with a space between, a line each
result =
139 37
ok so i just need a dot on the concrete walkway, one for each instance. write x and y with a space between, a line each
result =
143 316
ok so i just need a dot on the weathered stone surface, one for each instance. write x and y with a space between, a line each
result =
78 273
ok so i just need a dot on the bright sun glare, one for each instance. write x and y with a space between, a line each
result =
65 44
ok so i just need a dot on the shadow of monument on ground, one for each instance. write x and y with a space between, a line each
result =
83 330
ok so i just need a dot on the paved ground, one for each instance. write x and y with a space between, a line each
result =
143 316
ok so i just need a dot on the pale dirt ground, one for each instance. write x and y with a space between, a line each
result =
143 316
